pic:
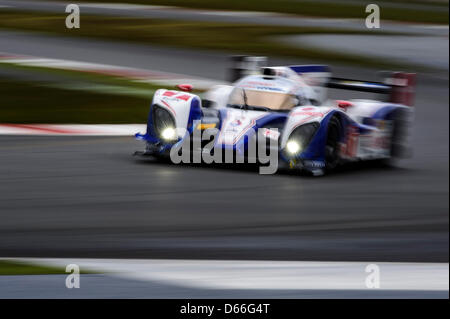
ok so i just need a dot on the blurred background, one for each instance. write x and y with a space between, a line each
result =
72 196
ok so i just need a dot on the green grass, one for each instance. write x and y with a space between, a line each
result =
13 268
224 37
308 8
31 102
67 96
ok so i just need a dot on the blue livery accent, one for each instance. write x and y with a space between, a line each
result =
195 113
242 144
309 68
384 112
373 85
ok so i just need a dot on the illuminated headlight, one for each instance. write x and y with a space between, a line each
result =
293 147
168 133
300 138
164 124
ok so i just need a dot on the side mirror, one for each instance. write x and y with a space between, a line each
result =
185 87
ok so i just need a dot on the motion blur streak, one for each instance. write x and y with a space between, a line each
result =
87 197
273 278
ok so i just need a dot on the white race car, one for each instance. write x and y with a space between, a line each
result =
289 105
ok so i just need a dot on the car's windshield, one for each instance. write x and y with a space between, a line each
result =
261 99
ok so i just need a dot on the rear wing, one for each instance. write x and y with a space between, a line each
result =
398 86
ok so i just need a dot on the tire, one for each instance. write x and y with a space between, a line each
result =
399 132
334 132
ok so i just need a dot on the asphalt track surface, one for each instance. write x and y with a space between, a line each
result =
105 286
207 64
88 197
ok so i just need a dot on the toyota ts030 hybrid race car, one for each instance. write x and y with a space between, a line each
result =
288 106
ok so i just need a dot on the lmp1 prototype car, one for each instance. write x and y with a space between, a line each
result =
289 105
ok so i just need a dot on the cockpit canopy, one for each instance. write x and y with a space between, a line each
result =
262 92
255 99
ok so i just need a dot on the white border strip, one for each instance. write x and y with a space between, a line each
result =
72 129
134 74
273 275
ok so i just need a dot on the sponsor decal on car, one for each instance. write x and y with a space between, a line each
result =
313 164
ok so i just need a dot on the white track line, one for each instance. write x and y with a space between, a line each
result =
72 129
124 6
274 275
134 74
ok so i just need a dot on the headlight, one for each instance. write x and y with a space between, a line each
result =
293 147
164 123
300 138
168 133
